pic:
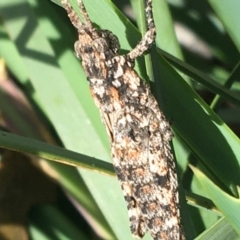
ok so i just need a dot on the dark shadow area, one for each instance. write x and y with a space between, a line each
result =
198 17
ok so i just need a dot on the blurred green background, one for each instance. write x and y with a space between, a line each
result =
56 177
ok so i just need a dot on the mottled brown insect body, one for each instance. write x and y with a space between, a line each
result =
138 130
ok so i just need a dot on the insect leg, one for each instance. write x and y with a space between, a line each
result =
149 36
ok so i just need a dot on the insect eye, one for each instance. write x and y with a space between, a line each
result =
77 46
88 49
82 48
100 44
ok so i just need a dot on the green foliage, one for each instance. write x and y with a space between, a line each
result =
36 42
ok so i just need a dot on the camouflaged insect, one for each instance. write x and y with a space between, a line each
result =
138 130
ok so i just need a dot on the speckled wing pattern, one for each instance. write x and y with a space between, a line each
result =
138 130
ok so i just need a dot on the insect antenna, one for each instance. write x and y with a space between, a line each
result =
72 15
85 15
149 36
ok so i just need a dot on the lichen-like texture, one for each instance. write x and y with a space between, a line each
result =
138 130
